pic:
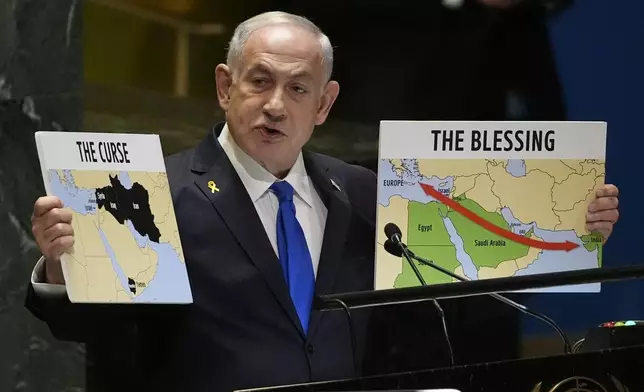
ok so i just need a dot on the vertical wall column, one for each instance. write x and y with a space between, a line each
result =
41 75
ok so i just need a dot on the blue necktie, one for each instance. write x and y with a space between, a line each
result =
294 253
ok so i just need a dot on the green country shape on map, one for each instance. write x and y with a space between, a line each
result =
443 255
428 237
592 242
484 247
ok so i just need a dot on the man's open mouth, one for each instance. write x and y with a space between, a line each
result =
270 132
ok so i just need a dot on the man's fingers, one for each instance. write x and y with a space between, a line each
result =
60 245
604 203
603 228
58 215
610 216
58 230
46 203
607 190
600 226
43 226
50 224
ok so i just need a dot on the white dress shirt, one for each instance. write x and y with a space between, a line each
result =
309 208
38 278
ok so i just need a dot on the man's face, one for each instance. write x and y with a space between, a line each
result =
276 95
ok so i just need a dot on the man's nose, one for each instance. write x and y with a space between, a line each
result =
275 106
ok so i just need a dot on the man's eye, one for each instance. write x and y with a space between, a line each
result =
259 81
299 89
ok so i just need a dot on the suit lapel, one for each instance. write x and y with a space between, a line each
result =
234 205
335 231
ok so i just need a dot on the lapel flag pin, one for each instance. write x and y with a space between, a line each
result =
213 186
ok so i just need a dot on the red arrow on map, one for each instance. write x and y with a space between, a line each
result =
431 191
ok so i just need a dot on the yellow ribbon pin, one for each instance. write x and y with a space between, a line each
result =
213 186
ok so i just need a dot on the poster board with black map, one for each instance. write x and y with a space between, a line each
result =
127 247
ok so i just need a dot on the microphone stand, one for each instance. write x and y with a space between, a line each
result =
522 308
408 256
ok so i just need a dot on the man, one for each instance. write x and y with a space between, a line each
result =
250 324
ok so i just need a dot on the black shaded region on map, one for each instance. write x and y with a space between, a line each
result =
129 204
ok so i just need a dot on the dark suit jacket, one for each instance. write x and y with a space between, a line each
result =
242 330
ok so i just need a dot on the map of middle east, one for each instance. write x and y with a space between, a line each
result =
127 246
445 208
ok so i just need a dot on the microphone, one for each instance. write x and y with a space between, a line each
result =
392 231
394 246
393 249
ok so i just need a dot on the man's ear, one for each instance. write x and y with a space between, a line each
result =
224 80
329 96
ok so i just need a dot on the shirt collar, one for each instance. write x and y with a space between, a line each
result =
256 178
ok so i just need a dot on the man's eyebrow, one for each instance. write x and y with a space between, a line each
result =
259 68
302 75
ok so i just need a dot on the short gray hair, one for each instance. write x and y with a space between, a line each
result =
247 27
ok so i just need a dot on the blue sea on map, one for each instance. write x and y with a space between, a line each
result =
404 180
516 167
558 261
72 197
469 268
125 180
170 282
407 182
117 268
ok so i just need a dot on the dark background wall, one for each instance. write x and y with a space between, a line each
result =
429 63
599 58
41 78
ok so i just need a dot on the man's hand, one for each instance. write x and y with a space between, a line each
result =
52 229
602 212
